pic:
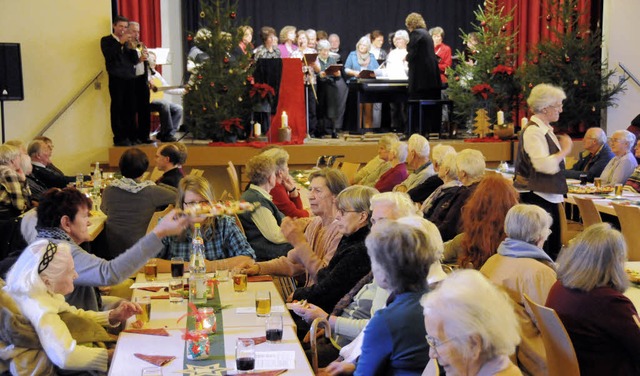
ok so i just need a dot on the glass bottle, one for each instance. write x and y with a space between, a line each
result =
197 269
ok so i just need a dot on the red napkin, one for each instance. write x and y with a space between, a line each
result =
157 360
260 278
151 332
256 340
163 296
152 289
267 373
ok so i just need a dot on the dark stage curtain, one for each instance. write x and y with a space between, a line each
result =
147 14
349 19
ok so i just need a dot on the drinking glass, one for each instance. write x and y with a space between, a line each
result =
79 180
273 328
583 179
618 188
222 270
239 280
263 303
145 304
177 267
597 182
151 270
176 288
245 355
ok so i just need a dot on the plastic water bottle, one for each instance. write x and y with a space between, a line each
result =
197 269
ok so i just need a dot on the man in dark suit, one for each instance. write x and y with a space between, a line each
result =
141 85
168 159
40 155
120 60
594 158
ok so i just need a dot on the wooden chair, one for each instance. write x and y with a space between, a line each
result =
284 285
561 356
154 175
196 172
349 169
629 217
568 229
590 215
235 182
155 218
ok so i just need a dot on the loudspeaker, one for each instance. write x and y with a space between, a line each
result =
10 72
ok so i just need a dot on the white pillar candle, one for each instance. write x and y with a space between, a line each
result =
285 119
500 117
257 130
523 122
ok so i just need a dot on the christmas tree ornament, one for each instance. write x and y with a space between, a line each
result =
239 99
578 36
202 15
497 56
204 109
232 15
549 18
199 77
567 59
584 84
536 61
225 60
212 84
530 85
225 89
457 78
503 28
593 109
483 23
575 82
189 37
230 71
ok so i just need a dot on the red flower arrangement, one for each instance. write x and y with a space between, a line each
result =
263 90
503 69
483 90
229 123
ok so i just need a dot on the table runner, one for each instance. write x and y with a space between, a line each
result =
216 340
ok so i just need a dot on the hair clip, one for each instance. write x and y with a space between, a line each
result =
51 250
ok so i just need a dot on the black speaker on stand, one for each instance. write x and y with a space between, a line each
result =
11 88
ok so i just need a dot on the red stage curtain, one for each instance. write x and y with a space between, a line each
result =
530 21
147 14
291 99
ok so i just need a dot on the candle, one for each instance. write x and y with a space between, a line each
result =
523 122
257 130
285 119
500 117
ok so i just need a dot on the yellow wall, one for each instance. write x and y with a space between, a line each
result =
60 47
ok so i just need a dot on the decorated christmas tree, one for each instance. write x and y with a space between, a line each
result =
485 78
571 58
217 102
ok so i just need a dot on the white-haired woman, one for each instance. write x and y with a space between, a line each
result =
472 327
621 166
400 259
332 92
521 267
424 190
398 171
397 68
38 281
588 298
378 165
540 158
357 61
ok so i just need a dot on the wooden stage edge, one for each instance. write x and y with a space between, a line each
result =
307 154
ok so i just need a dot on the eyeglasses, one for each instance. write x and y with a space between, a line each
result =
203 202
434 343
342 211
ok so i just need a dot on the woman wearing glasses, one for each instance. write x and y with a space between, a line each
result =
222 237
621 166
539 167
472 327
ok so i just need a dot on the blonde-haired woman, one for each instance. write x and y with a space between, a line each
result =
223 239
371 172
287 41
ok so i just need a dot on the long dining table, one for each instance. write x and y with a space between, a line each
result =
236 318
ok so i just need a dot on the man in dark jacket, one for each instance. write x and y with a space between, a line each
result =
594 158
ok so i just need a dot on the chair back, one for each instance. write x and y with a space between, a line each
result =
196 172
568 230
349 169
561 356
629 217
235 182
590 215
155 218
284 285
154 176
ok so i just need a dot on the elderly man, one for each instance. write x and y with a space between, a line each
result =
621 166
594 158
423 190
418 161
40 154
63 216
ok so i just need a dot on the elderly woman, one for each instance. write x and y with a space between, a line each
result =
38 281
315 244
621 166
357 61
448 174
459 340
398 171
633 183
285 194
350 262
287 41
15 196
426 188
397 65
400 258
487 208
446 214
130 202
63 217
588 298
223 240
303 45
371 172
540 158
443 52
424 75
522 268
262 226
268 49
332 92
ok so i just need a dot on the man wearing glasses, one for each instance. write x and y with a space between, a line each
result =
594 158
